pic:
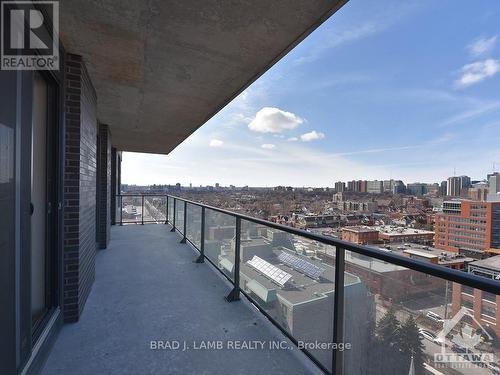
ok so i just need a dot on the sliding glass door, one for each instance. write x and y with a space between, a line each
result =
43 204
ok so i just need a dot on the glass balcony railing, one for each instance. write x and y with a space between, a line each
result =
393 314
140 209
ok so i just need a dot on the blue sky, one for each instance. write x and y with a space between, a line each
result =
393 89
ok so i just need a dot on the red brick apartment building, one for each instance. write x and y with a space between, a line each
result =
360 235
483 306
468 225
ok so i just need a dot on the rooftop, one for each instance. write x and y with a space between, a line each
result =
400 231
360 229
492 263
138 278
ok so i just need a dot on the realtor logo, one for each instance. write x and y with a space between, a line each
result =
30 35
463 343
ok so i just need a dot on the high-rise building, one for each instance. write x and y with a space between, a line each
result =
433 189
477 192
494 186
456 184
340 187
374 187
358 186
417 188
453 187
468 225
363 186
444 188
465 181
388 186
399 187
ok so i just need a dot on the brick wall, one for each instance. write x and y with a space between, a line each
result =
79 187
104 187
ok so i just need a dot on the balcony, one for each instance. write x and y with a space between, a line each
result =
148 288
163 282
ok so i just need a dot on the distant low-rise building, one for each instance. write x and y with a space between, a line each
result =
393 234
359 234
436 256
317 221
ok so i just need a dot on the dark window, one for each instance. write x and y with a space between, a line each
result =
467 290
467 304
488 310
489 297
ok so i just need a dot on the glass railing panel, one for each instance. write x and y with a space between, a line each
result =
131 209
155 209
179 215
286 276
220 240
170 210
393 313
118 208
193 224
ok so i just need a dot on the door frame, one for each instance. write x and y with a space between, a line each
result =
33 344
52 198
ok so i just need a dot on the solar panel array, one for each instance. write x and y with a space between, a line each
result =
301 265
267 269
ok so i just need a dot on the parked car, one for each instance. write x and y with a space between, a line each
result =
433 316
430 336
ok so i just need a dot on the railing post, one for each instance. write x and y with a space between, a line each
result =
142 211
166 212
184 225
201 258
121 209
338 312
234 295
173 219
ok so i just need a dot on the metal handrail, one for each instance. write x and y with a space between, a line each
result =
337 367
489 285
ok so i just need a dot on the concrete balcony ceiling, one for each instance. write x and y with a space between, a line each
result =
161 69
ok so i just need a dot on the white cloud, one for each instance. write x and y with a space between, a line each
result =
312 136
482 46
274 120
292 139
338 38
472 113
338 34
268 146
477 72
215 143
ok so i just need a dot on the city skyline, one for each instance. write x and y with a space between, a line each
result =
402 92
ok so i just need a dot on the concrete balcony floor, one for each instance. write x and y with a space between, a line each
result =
148 288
